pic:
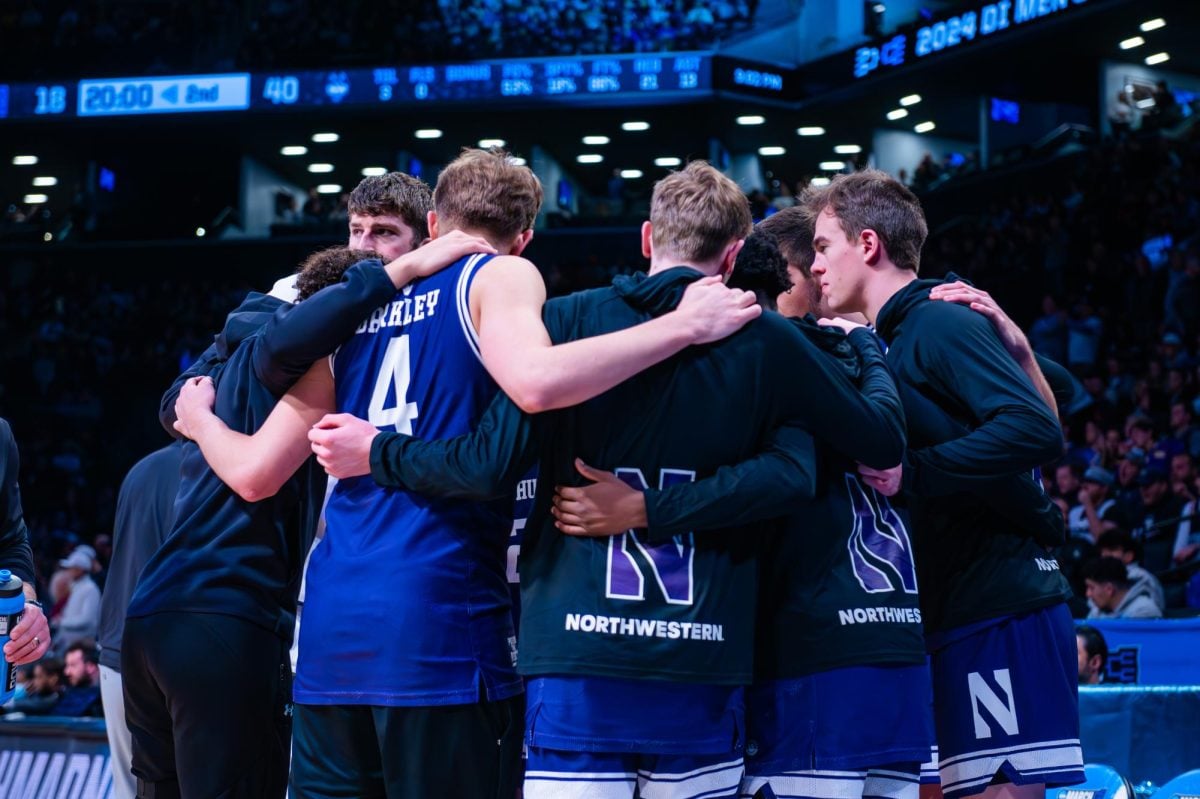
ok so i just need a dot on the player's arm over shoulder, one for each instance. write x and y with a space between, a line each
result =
506 302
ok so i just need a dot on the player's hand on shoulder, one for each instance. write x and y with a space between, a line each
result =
978 300
844 325
885 481
342 444
195 400
713 311
439 253
609 506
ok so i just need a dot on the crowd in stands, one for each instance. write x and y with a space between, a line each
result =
217 35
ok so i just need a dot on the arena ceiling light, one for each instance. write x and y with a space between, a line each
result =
373 171
832 166
45 181
428 133
636 125
910 99
329 188
1157 58
294 149
771 150
819 182
201 232
489 143
1153 24
751 119
631 174
36 199
1132 42
595 141
325 138
25 160
899 113
847 149
924 127
668 161
811 130
320 168
517 160
589 158
47 236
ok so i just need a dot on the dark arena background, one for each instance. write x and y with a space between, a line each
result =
159 159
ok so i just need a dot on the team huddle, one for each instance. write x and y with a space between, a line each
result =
766 556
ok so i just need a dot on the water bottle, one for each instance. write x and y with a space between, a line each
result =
12 608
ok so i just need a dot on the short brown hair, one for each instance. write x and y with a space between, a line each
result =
874 200
793 230
394 194
326 267
696 212
487 191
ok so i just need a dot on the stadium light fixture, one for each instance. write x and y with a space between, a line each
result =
811 130
428 133
1132 42
847 149
899 113
25 160
373 171
924 127
819 182
589 158
832 166
47 236
294 149
45 181
201 232
635 126
631 174
751 119
668 161
1153 24
771 150
517 160
36 199
489 143
320 169
325 138
910 99
329 188
1157 58
595 141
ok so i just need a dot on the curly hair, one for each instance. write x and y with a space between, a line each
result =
326 267
761 267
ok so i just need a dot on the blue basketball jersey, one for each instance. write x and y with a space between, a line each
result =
521 511
406 601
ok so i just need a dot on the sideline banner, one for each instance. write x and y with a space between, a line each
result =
1151 651
52 758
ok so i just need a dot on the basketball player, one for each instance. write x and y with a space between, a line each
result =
209 623
1005 711
636 648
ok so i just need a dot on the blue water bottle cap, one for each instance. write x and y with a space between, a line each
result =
5 575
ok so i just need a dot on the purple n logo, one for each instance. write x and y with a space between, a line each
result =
670 563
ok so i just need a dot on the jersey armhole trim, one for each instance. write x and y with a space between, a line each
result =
462 294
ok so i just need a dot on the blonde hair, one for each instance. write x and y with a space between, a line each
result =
487 191
695 213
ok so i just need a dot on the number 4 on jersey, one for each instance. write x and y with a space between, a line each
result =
393 375
670 563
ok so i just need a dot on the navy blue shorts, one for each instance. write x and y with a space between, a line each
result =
1006 702
852 718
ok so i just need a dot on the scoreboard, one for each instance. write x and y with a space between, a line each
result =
616 80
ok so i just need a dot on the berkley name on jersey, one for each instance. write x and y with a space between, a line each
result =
644 628
403 311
